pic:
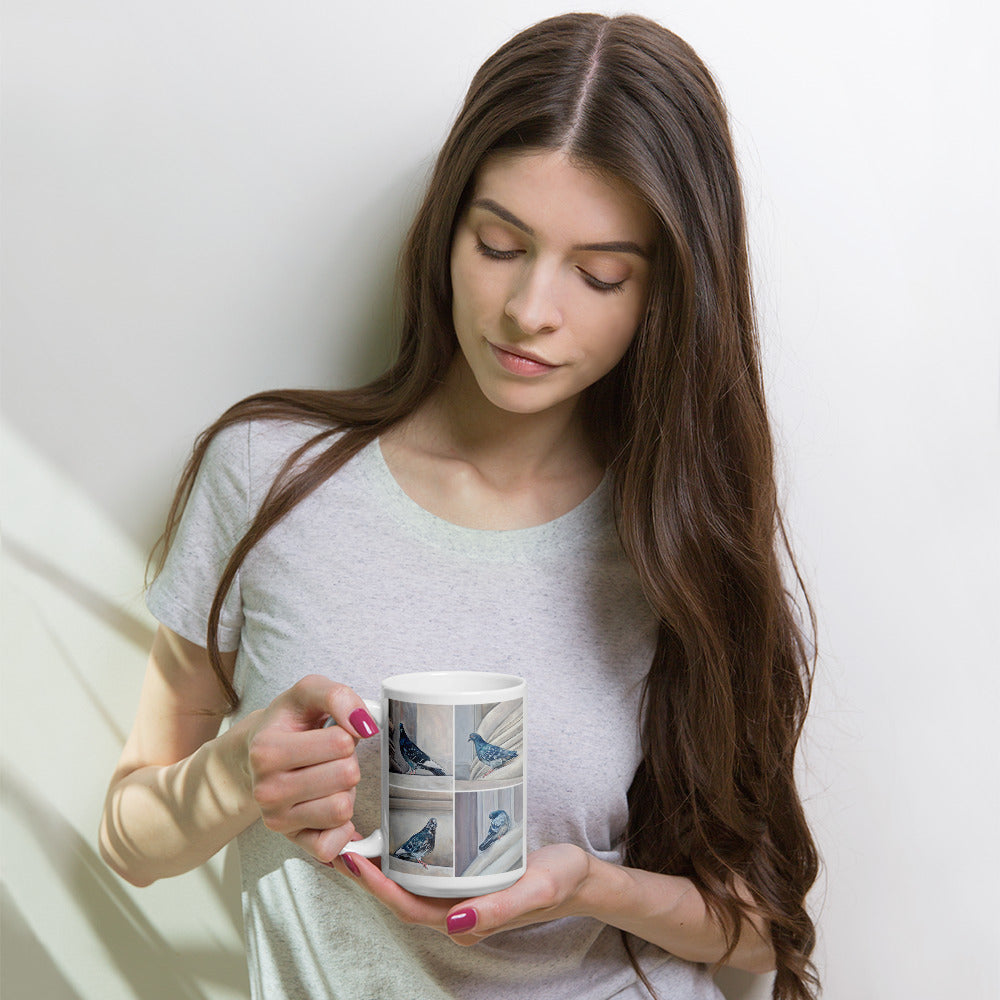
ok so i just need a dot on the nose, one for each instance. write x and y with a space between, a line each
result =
533 303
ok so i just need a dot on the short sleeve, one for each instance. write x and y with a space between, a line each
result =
215 518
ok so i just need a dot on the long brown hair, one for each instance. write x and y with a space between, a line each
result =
684 429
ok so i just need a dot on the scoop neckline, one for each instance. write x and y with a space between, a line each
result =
580 525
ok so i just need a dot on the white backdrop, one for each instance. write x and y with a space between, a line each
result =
204 199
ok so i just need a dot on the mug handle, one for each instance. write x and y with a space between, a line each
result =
372 845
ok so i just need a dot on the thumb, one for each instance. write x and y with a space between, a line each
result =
462 920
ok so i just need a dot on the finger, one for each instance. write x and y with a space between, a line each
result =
467 940
461 923
474 921
407 906
326 813
526 902
274 750
324 845
281 790
346 862
342 865
314 698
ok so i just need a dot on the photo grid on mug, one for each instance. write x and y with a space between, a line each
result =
456 794
421 783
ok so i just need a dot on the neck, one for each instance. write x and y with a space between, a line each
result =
479 466
460 422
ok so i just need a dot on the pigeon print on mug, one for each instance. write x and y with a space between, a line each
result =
489 744
421 743
489 829
499 826
419 845
396 763
490 754
414 758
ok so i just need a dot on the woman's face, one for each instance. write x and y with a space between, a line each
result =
550 272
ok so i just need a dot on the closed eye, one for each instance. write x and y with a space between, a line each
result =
601 286
493 252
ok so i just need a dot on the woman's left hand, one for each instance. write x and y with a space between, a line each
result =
549 889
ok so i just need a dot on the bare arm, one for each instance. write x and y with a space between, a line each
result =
182 791
564 881
669 911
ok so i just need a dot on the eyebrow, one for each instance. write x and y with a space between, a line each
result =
612 246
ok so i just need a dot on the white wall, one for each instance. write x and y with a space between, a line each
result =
205 199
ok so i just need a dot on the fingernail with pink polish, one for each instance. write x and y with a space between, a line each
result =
352 865
463 920
363 723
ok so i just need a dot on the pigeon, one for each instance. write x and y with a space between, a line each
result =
492 756
418 845
499 825
414 757
396 763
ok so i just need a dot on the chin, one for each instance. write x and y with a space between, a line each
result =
527 407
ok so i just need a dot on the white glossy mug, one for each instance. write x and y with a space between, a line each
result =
453 782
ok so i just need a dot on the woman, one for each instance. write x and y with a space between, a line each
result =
567 473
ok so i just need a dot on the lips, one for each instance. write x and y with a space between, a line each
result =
521 362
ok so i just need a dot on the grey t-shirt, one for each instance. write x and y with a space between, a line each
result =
357 583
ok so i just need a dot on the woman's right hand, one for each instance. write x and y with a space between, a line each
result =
303 771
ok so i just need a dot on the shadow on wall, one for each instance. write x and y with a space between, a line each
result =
109 614
144 960
75 639
19 939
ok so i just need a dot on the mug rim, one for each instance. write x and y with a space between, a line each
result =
455 684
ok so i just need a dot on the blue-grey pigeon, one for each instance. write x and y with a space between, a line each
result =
492 756
414 757
419 844
499 825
